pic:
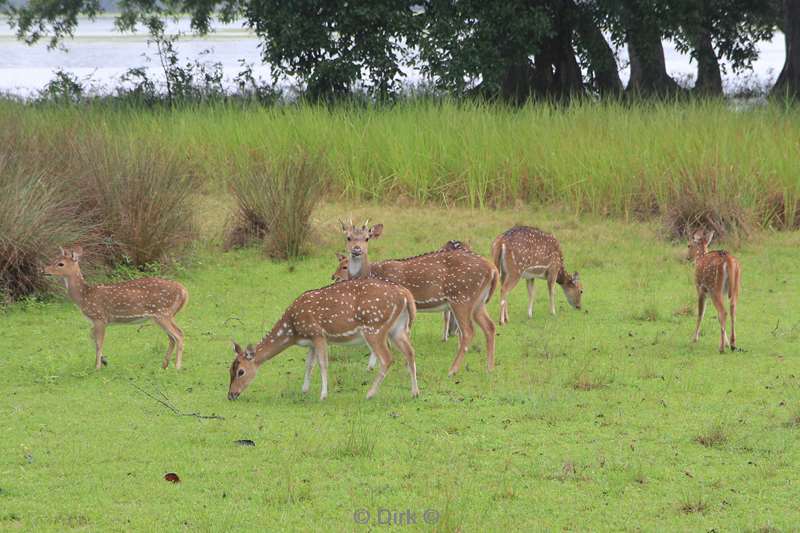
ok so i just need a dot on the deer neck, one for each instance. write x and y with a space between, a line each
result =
76 287
561 278
358 267
273 344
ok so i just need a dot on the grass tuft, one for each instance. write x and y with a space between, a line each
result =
275 202
714 437
724 214
692 505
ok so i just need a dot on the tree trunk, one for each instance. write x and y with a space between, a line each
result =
516 85
603 61
709 79
648 69
788 83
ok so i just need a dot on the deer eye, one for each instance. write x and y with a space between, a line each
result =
61 264
240 373
367 238
349 239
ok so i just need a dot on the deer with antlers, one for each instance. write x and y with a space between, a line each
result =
525 252
450 326
128 302
367 311
457 280
716 273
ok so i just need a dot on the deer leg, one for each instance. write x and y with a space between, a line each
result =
373 360
447 319
381 348
485 322
321 351
99 334
462 314
509 282
178 332
404 345
701 312
551 292
311 360
531 296
733 324
164 322
716 297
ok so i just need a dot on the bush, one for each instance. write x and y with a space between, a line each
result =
139 195
723 214
34 221
275 202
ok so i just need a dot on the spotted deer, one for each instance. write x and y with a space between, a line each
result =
128 302
525 252
450 326
716 273
359 311
459 281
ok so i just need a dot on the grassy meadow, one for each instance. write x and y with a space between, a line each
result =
626 160
605 418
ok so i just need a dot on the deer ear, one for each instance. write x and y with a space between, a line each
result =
343 226
63 252
77 252
250 352
340 256
576 277
375 231
236 348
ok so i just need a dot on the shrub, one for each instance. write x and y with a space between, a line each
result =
723 214
34 221
275 202
139 195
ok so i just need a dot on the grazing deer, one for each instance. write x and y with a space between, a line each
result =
123 303
456 280
525 252
716 273
351 312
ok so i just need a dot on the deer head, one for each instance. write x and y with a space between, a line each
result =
573 289
243 370
358 237
66 265
698 244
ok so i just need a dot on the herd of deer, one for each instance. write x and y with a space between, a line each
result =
375 303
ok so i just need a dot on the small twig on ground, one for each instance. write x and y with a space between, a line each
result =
166 402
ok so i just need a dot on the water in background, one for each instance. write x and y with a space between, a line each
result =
98 55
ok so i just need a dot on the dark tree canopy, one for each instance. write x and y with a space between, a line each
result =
514 49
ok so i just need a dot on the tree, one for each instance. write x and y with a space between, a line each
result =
788 83
711 30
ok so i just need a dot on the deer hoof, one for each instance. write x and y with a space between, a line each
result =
104 361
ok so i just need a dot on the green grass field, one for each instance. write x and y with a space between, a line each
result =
607 418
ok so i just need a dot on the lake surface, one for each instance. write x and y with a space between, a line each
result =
99 55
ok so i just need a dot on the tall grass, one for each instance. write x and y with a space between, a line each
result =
605 158
275 198
625 160
124 198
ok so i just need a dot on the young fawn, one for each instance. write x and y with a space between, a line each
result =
352 312
716 273
525 252
456 280
123 303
